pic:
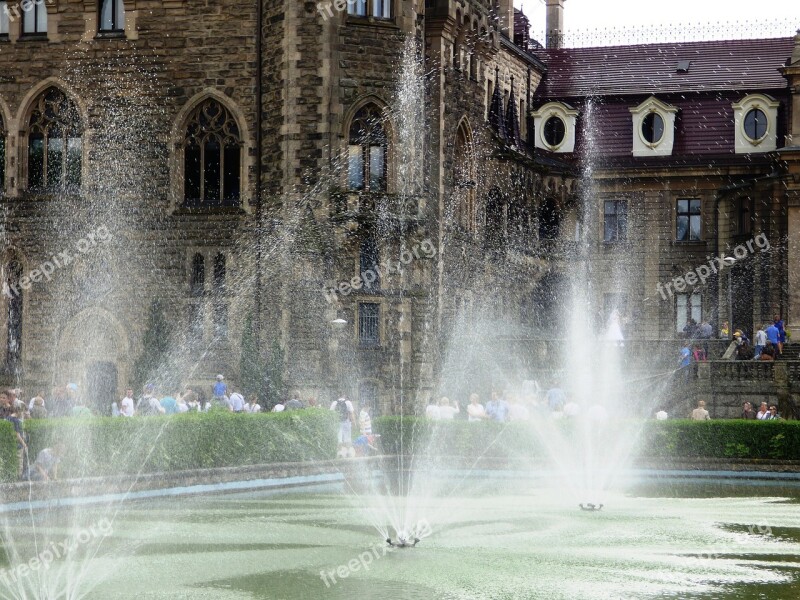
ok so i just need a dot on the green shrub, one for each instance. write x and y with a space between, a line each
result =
8 452
658 439
111 446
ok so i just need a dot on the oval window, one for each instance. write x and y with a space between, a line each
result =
755 124
653 128
554 131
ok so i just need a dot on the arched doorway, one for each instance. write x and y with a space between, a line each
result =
93 351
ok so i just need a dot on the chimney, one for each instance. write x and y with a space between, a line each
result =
506 18
554 36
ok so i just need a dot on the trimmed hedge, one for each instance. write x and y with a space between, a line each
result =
8 452
733 438
112 446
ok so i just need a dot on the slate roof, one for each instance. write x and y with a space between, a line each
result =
746 65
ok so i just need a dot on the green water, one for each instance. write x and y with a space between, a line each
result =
502 544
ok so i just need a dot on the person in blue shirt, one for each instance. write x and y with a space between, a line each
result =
781 333
774 336
221 390
497 408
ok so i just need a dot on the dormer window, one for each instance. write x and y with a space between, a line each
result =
653 128
554 127
756 118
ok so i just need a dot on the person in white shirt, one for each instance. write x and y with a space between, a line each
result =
475 410
763 412
126 405
236 401
432 411
447 409
365 421
344 408
180 404
252 405
279 407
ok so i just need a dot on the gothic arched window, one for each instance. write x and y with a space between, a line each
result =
13 291
54 142
367 151
464 180
111 16
212 157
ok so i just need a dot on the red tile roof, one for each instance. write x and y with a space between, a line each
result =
652 68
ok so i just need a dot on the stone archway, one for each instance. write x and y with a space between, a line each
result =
94 350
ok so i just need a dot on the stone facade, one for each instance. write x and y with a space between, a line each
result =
501 219
295 233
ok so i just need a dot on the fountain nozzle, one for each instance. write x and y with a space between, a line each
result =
402 542
591 507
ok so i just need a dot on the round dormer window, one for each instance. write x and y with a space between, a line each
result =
653 128
755 124
554 131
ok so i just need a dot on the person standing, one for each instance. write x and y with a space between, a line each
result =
252 405
237 401
294 402
220 395
781 333
126 405
9 413
344 409
365 421
774 336
763 412
700 413
475 410
761 341
748 412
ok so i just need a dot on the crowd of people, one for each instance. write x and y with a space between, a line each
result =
766 412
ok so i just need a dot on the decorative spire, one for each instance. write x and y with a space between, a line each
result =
496 118
512 119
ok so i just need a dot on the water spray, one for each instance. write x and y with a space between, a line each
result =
590 507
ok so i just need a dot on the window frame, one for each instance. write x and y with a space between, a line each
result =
114 31
364 341
617 203
374 134
5 22
35 10
370 8
689 308
689 215
194 143
755 140
70 127
654 114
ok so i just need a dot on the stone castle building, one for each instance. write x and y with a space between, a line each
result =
251 162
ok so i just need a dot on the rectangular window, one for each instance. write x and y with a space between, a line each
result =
34 21
357 8
688 225
688 306
615 221
368 324
355 167
382 9
3 19
378 9
112 16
